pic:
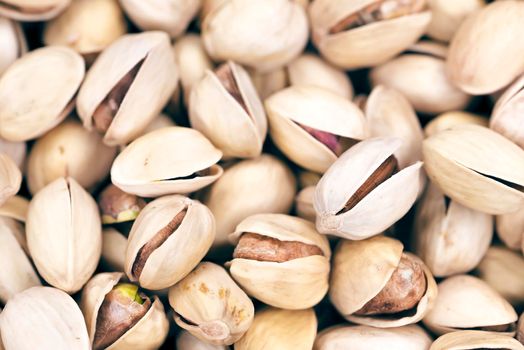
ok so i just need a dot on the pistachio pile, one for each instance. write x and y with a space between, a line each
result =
261 174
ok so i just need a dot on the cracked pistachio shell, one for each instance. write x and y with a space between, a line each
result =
411 337
127 67
261 185
16 150
43 318
261 34
421 76
450 119
269 83
15 207
148 333
478 66
74 27
381 207
506 118
187 341
510 229
168 239
49 78
114 245
477 167
304 203
280 330
503 270
450 238
318 109
293 284
367 45
475 340
69 150
165 161
225 107
309 69
10 178
32 10
64 234
448 15
467 302
18 273
361 269
170 16
211 306
13 43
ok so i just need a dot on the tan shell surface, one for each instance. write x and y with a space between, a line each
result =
13 43
448 15
16 150
506 116
450 119
114 245
15 207
32 10
187 341
48 92
510 228
472 340
269 83
304 203
10 178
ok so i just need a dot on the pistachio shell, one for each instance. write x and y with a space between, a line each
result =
410 337
210 305
447 15
269 83
474 165
262 34
304 204
166 161
32 10
478 66
43 318
450 119
280 330
148 333
15 150
188 239
232 117
467 302
10 178
450 238
315 108
510 228
187 341
13 43
64 234
381 207
472 340
49 78
506 117
15 207
114 245
147 57
162 121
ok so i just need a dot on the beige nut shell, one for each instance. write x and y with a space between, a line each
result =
37 10
473 340
10 178
506 117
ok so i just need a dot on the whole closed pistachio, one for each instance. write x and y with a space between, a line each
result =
168 239
165 161
118 206
64 234
506 117
10 178
356 34
43 318
448 15
261 34
211 306
16 150
313 126
474 63
225 107
187 341
475 340
365 191
281 260
476 167
114 245
510 229
450 119
280 330
120 316
116 98
32 10
49 78
13 43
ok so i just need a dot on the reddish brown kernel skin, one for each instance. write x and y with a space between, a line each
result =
113 201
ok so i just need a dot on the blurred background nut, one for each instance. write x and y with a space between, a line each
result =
475 340
31 10
450 119
210 305
15 208
304 204
506 117
117 206
187 341
15 150
448 15
13 43
10 178
510 229
114 245
270 82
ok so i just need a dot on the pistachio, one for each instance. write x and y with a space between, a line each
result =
49 78
15 150
475 340
15 207
304 204
448 15
510 229
270 252
187 341
269 83
31 10
117 206
10 178
450 119
114 246
162 121
13 42
210 305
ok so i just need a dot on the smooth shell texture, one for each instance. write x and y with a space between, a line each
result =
43 318
13 43
187 341
269 83
483 57
15 207
510 228
304 204
49 78
157 163
32 10
114 245
379 209
448 15
473 340
15 150
10 178
449 119
471 164
64 234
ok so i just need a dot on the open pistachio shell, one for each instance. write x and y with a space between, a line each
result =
304 203
449 237
49 78
43 318
187 341
449 119
165 161
475 340
15 207
10 178
114 245
64 234
308 123
448 15
168 239
510 229
32 10
506 118
261 34
355 45
13 43
148 333
211 306
280 329
477 167
474 63
117 97
361 195
225 107
467 302
298 281
411 337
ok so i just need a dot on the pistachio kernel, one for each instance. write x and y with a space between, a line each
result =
118 206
